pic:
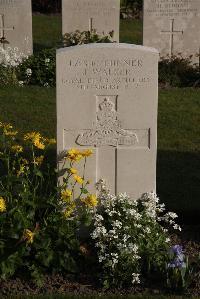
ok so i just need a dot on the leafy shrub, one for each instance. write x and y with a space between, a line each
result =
39 222
46 6
178 72
39 69
137 4
132 244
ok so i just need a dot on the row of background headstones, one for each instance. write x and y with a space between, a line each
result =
171 27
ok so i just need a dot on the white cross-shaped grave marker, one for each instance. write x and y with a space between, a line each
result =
171 33
107 137
3 29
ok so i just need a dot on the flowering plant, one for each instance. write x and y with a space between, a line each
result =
38 220
177 268
85 37
131 243
76 205
10 59
39 69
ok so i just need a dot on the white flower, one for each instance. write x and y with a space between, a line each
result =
138 225
28 72
147 230
167 240
117 224
177 227
46 84
11 57
21 83
47 60
172 215
135 278
98 232
98 218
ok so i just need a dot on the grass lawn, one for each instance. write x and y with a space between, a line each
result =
30 108
178 175
46 31
131 31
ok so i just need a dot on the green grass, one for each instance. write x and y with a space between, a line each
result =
178 175
47 31
131 31
179 115
29 108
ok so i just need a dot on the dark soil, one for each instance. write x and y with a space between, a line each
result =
84 284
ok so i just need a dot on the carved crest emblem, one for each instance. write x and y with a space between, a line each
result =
108 129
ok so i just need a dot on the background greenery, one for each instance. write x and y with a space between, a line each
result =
54 6
178 176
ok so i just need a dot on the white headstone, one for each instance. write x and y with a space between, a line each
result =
172 27
16 25
85 15
107 98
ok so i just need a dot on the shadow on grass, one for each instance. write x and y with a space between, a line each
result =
178 184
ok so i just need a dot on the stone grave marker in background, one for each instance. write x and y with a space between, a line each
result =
172 27
85 15
16 25
107 101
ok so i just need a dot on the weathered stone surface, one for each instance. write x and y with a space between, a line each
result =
16 25
107 101
83 15
172 26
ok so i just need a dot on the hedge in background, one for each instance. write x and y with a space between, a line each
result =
46 6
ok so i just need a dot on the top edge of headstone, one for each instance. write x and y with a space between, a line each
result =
107 46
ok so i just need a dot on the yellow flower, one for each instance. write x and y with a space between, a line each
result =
32 136
90 201
74 155
25 161
38 160
10 133
36 139
73 170
17 148
66 195
5 126
69 210
78 179
39 144
7 129
2 205
28 236
51 141
87 153
21 170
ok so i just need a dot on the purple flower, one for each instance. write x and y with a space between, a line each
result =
178 261
177 249
177 264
